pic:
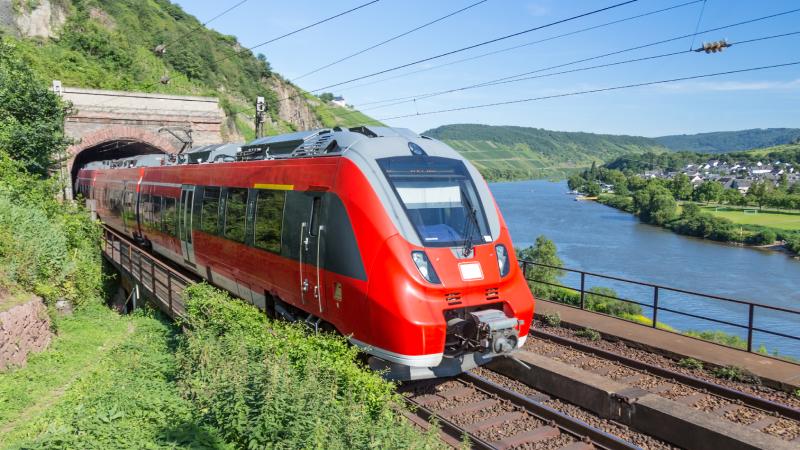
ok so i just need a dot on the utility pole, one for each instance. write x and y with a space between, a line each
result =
261 112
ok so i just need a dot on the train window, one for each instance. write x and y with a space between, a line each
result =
209 214
144 209
155 212
314 221
439 198
169 217
269 217
236 214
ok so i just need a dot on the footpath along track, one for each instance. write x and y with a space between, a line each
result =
495 417
758 413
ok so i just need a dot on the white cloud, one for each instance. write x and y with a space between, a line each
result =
537 9
766 85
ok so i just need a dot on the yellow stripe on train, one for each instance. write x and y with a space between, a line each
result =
277 187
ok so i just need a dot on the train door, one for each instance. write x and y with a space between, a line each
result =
185 213
312 257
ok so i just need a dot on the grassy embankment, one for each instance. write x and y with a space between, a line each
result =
782 220
234 380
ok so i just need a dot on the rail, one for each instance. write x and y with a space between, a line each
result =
162 283
656 297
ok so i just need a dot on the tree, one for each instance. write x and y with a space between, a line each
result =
31 116
681 187
326 97
655 204
544 251
783 182
690 210
709 191
758 193
732 197
592 189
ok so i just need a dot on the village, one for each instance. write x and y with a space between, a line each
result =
738 176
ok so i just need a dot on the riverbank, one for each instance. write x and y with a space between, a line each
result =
696 222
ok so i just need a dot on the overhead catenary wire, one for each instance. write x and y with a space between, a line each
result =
476 45
592 91
204 24
697 25
393 38
515 47
519 76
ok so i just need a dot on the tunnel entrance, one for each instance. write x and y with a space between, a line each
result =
113 149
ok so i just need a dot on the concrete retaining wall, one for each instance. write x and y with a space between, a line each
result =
24 328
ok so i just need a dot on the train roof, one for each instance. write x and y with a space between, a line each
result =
370 142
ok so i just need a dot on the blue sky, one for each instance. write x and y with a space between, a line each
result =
768 98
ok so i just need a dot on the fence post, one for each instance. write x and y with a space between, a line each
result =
751 311
153 277
655 306
583 290
169 289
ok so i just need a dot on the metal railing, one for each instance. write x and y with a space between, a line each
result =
161 283
656 297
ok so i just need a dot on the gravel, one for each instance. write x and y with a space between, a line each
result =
648 357
609 426
668 388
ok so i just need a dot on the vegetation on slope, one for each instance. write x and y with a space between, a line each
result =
506 152
110 45
729 141
787 153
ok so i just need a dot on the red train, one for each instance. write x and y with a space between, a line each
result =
390 238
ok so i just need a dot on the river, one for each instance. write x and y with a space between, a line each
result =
600 239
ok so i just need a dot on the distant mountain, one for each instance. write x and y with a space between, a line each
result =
509 152
730 141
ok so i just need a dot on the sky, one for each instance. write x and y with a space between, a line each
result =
760 99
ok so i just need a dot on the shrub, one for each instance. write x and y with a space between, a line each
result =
764 237
552 319
690 363
261 382
734 373
589 334
719 337
797 393
602 299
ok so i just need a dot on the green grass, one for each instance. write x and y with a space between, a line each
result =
782 220
106 382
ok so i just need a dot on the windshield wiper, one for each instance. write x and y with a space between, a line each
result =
471 221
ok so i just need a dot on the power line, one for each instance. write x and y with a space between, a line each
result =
503 50
514 78
204 24
389 40
319 22
592 91
480 44
697 25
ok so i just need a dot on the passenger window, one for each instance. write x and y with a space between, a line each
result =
236 214
209 214
155 212
315 207
269 217
170 217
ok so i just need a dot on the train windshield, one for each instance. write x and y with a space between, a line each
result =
439 198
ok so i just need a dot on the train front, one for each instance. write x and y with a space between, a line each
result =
446 292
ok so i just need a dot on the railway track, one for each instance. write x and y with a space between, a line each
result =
494 417
757 413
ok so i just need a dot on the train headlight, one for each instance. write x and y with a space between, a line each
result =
502 259
425 267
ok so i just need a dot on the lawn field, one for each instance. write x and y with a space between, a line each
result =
781 220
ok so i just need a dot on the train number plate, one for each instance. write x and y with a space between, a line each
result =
470 271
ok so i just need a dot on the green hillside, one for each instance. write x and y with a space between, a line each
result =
730 141
109 44
508 152
788 153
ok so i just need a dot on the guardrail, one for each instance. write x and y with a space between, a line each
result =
752 312
161 282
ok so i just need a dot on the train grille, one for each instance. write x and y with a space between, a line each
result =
492 294
453 298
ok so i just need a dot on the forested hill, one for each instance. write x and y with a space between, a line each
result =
110 44
730 141
508 152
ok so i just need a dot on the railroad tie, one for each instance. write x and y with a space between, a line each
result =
456 392
468 408
691 400
542 433
726 408
764 422
578 445
490 422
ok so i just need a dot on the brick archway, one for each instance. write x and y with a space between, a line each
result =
121 133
